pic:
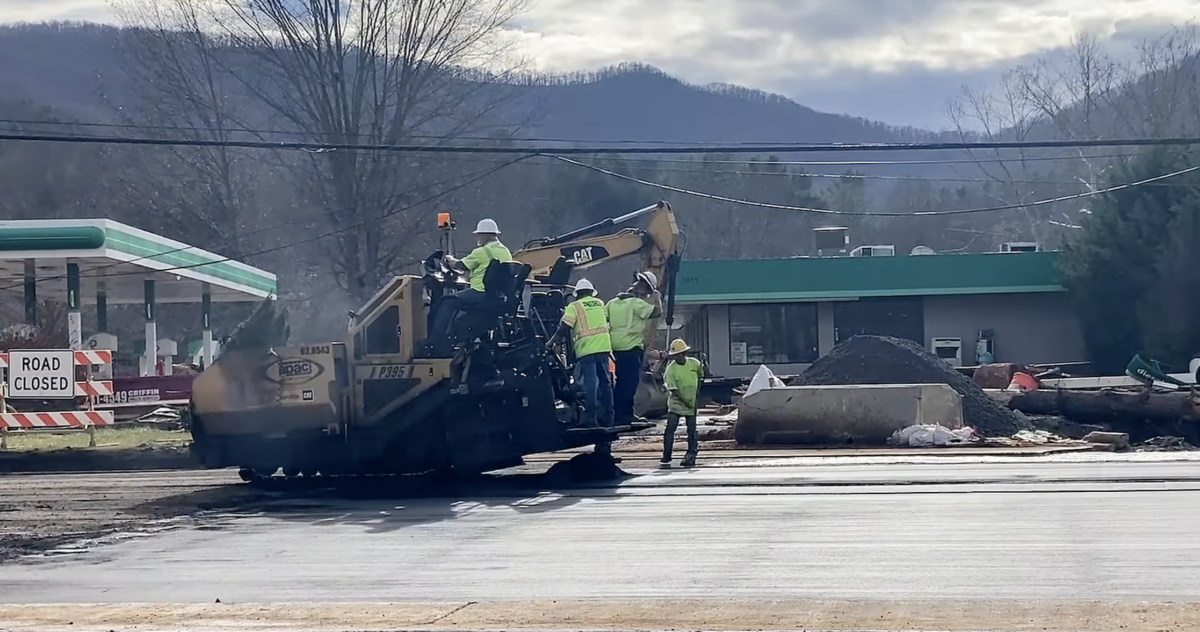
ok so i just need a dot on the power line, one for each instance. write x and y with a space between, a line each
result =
369 220
718 144
276 132
835 176
784 207
696 149
870 163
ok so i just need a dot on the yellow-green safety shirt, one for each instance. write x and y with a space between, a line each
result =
683 385
627 318
478 259
589 326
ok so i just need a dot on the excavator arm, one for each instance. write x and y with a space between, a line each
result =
659 245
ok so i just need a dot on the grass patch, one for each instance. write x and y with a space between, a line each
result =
120 437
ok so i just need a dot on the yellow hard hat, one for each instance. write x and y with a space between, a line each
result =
678 346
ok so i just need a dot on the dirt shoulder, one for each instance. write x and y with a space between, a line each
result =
717 615
42 513
154 456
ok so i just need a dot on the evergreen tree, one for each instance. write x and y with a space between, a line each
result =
1134 273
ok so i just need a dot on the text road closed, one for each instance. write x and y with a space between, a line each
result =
41 374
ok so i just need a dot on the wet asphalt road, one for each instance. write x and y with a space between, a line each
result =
1072 529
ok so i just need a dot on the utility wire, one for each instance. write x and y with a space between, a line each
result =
830 176
951 161
868 163
664 187
319 237
785 207
695 149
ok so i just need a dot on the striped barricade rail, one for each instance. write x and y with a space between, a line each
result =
63 419
82 358
60 421
93 388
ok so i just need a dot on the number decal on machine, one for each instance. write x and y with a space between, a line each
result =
391 372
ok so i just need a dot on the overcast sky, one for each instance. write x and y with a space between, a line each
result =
896 61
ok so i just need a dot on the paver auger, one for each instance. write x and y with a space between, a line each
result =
371 404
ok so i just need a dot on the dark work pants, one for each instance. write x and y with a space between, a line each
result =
443 313
629 373
669 436
591 373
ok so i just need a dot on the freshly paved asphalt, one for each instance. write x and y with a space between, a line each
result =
1066 529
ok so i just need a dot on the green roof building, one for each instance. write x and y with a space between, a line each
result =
785 313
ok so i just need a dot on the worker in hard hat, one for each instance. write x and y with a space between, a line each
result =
487 236
628 314
682 379
585 321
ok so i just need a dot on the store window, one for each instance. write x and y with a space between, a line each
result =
774 333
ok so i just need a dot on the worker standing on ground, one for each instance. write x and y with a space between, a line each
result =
628 314
585 321
487 236
682 379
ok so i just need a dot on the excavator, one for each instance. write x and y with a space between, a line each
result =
375 404
660 247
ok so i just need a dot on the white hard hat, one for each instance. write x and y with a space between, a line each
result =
650 280
487 227
584 284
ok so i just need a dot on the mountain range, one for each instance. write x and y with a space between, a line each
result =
75 69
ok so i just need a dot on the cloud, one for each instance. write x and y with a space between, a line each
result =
892 60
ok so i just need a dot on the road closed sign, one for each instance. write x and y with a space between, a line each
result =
41 374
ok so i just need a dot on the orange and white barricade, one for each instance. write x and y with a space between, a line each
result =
65 420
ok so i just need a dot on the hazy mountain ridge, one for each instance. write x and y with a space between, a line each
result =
75 68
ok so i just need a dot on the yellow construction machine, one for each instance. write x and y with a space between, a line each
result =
376 403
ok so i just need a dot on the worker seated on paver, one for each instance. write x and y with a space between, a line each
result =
487 235
628 314
682 379
584 320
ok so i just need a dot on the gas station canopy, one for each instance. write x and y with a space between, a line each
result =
117 260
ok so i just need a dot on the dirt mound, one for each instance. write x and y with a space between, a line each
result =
884 360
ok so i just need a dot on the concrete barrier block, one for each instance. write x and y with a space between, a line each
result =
859 414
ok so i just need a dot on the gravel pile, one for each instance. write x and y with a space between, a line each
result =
884 360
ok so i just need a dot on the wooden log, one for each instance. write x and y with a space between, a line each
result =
1109 407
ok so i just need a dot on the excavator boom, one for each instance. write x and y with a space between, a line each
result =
659 245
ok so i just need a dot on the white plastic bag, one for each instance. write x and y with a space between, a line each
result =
763 378
929 435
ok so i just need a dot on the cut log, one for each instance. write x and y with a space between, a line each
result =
1109 407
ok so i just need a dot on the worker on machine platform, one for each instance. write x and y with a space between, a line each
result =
487 235
587 324
628 314
682 379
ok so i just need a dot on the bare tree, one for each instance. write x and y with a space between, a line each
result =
1086 92
1004 114
363 72
183 92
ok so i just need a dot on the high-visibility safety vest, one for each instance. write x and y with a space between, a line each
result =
589 326
627 318
478 259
